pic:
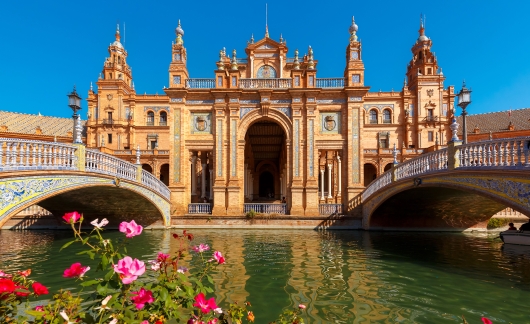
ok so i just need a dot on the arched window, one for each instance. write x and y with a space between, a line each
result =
163 118
387 119
266 72
373 116
150 118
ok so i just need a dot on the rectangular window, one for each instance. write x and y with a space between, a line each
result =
176 79
311 80
430 136
297 81
411 110
384 143
444 109
109 138
219 82
355 78
234 81
154 145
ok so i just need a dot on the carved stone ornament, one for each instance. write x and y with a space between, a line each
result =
430 92
330 123
201 123
109 97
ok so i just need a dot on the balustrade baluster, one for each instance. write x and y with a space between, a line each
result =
519 153
506 150
1 156
27 155
494 155
513 153
526 149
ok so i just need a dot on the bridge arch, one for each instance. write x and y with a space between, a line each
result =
61 192
453 201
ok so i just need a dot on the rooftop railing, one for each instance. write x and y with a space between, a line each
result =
200 83
330 83
277 83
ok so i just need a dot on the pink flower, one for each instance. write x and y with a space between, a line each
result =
39 288
39 308
104 222
203 304
182 269
213 321
301 306
142 297
145 322
72 217
130 229
155 266
218 257
5 275
129 269
75 270
201 248
162 257
486 321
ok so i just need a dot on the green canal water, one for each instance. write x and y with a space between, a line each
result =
342 276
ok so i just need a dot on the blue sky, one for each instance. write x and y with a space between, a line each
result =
47 47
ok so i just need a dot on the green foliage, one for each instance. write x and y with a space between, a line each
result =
290 316
496 223
251 214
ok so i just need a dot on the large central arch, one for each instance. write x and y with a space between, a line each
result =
266 155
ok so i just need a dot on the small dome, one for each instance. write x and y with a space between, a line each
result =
353 27
179 30
117 44
423 38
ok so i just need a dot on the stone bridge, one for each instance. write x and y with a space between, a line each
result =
456 188
66 177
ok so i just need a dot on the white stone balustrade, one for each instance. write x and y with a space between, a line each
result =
152 182
20 154
273 83
378 183
107 164
330 209
266 208
200 83
200 208
501 153
430 162
330 83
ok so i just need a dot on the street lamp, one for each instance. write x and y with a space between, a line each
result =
74 102
464 99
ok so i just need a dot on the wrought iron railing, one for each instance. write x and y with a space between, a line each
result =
200 83
200 208
330 82
266 208
330 209
373 121
19 154
265 83
162 123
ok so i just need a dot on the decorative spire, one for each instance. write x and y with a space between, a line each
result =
180 32
395 153
422 37
266 21
454 129
234 61
266 31
353 30
252 39
281 39
220 64
117 32
310 63
91 88
133 85
296 62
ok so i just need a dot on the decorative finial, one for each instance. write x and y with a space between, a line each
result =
266 21
353 30
233 67
138 154
180 32
117 32
266 31
310 63
133 85
404 82
281 39
422 37
454 129
491 136
296 62
220 64
252 39
91 88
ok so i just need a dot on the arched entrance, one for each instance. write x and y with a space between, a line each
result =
265 162
370 173
266 185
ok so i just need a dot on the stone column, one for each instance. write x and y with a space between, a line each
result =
340 176
245 181
211 184
193 175
330 189
322 184
203 174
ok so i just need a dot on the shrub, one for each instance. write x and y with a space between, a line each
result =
497 222
251 214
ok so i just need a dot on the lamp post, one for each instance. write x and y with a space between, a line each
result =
464 99
74 102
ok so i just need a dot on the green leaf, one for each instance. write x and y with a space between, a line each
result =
104 261
163 293
102 289
89 283
109 274
210 279
67 244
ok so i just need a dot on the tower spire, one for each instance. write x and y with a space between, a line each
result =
266 22
117 32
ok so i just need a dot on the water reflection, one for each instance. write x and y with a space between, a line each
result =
342 277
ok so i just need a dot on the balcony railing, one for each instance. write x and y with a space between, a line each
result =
108 121
200 83
373 121
162 123
150 122
201 208
265 83
387 121
431 118
330 209
266 208
330 83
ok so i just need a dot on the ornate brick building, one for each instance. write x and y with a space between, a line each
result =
266 127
